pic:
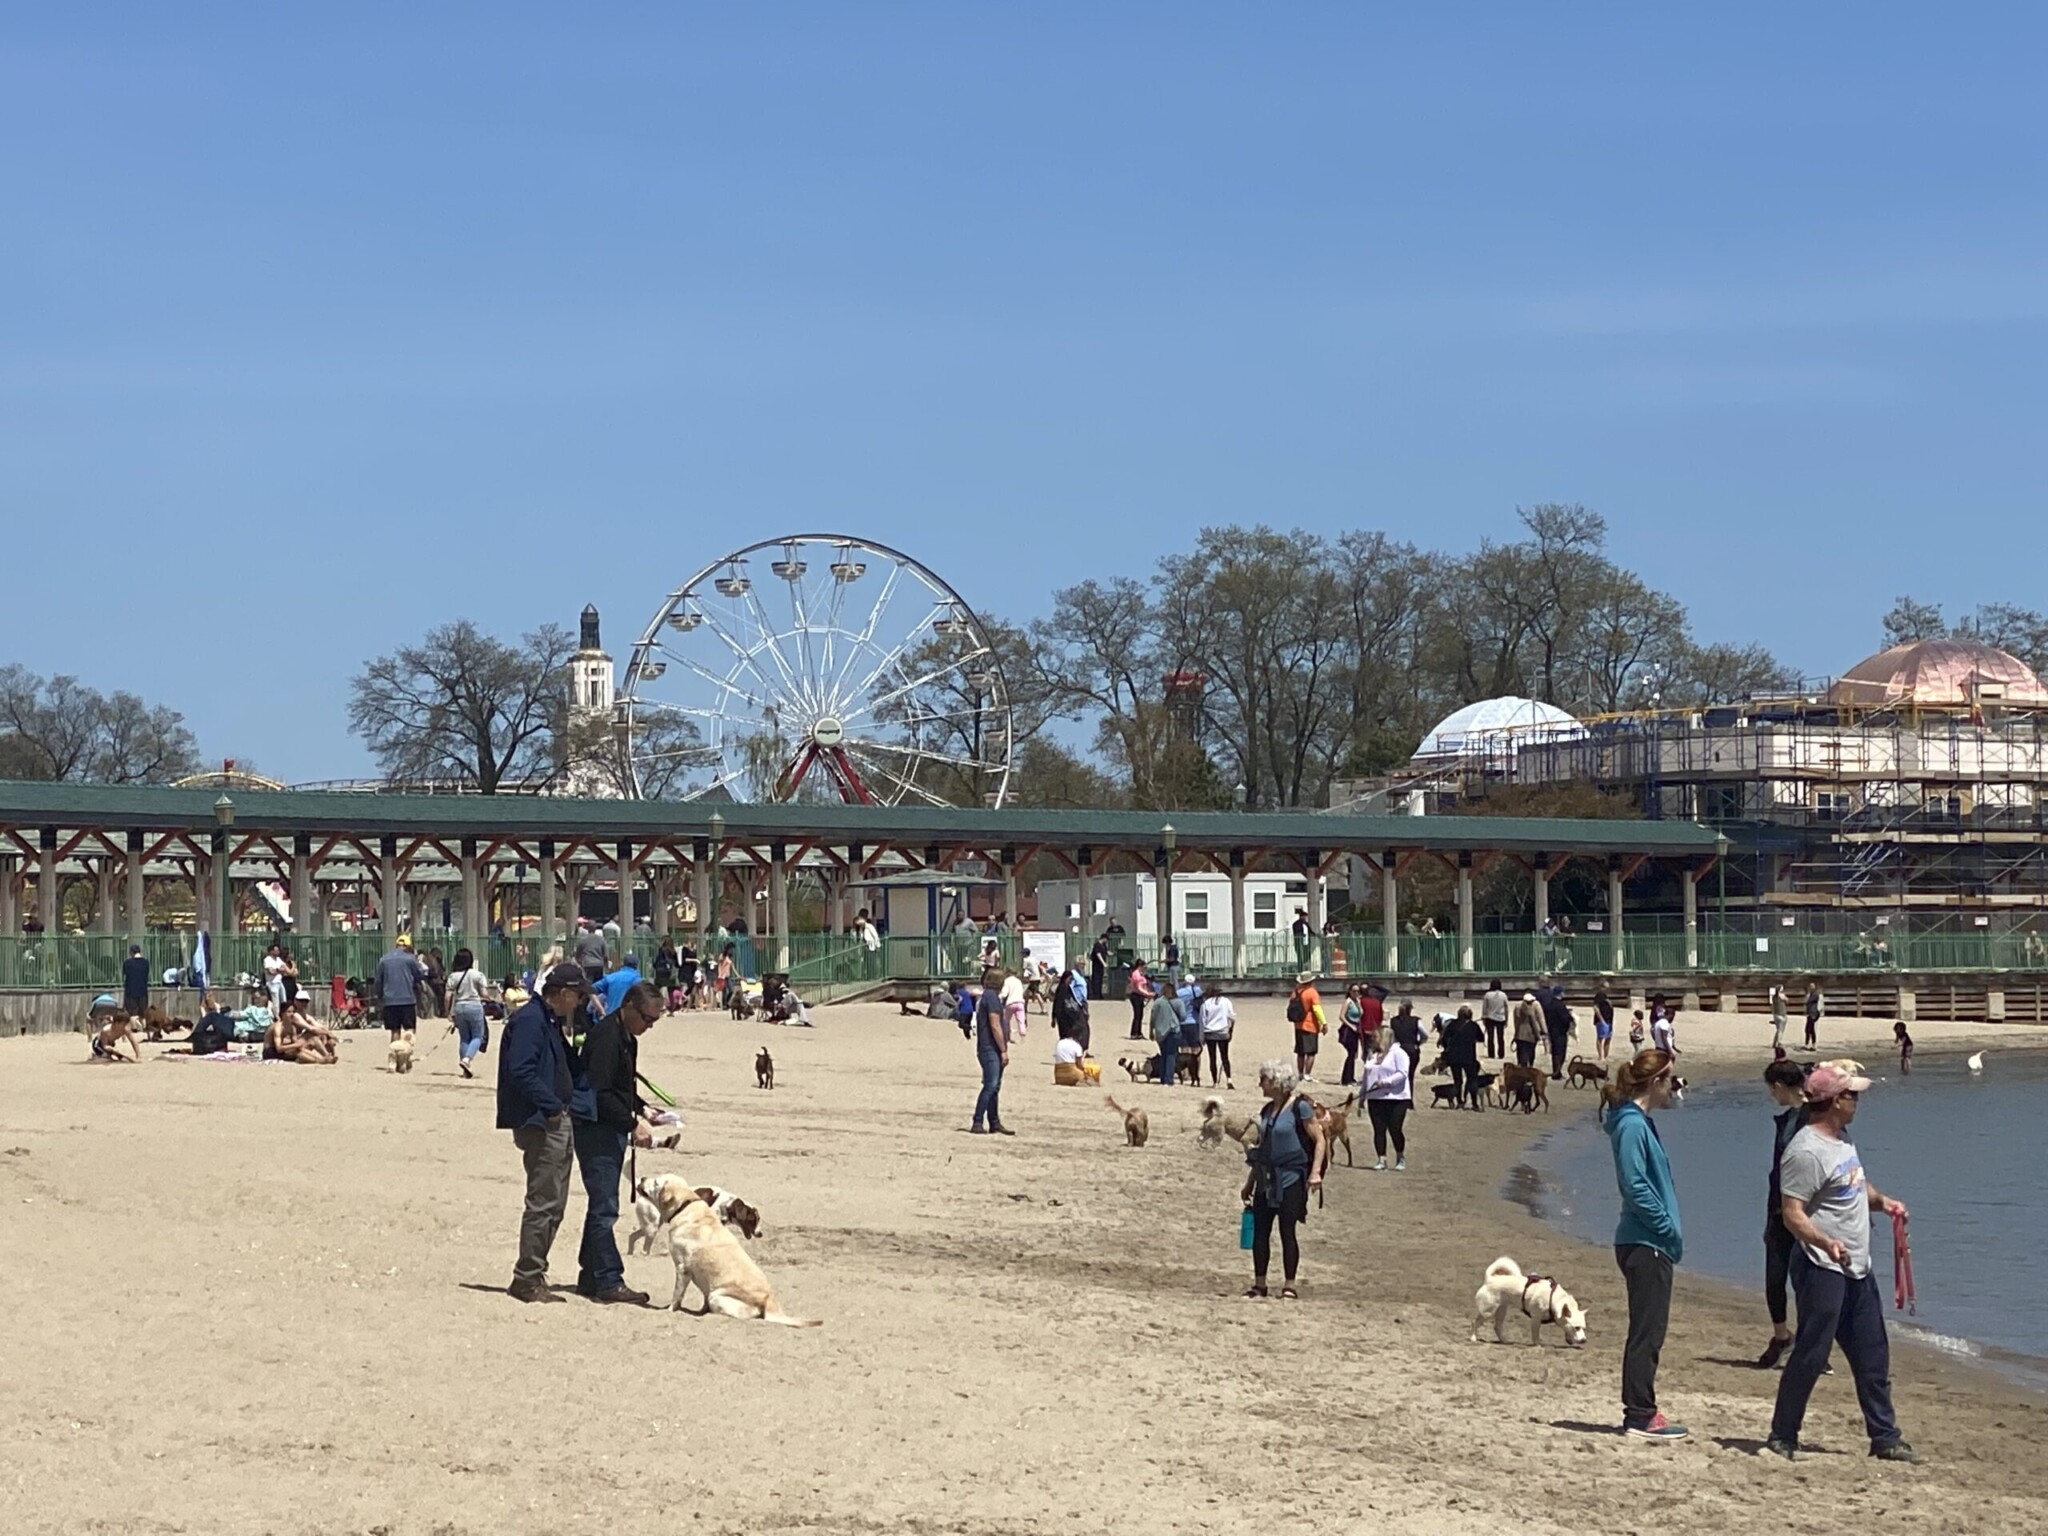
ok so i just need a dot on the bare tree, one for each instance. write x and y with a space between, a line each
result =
465 707
59 729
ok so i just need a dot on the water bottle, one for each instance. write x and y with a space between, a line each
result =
1244 1230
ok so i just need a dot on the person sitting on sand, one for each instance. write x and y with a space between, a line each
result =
1072 1066
302 1023
285 1040
113 1029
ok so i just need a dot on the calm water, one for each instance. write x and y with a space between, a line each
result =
1961 1149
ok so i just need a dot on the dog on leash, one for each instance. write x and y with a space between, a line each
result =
1582 1073
1541 1299
1242 1129
1137 1124
1477 1086
401 1054
1141 1070
709 1257
1445 1095
764 1069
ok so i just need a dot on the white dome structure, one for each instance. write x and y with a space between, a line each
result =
1494 728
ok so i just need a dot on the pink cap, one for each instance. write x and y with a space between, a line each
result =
1824 1083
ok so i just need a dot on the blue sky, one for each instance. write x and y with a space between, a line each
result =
323 325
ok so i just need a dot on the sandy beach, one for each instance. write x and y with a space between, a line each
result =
263 1298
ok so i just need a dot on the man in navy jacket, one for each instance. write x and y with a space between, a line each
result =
534 1088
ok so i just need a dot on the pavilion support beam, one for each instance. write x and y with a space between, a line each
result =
700 894
103 894
10 896
303 873
1238 957
387 891
1689 897
626 881
1617 951
550 901
1084 894
1466 960
1318 905
138 895
46 883
778 904
1009 863
473 924
1539 879
1390 911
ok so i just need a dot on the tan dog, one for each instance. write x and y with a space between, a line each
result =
764 1069
709 1257
1336 1120
1242 1129
1137 1124
401 1054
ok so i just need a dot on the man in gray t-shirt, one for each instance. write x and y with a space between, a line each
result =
1826 1199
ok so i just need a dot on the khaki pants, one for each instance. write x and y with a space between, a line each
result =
548 1155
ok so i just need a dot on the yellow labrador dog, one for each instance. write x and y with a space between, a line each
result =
709 1257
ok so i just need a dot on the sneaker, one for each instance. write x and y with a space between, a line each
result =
531 1291
1380 1166
1897 1450
1400 1165
1784 1448
1659 1429
621 1295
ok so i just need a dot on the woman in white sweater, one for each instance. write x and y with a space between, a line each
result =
1389 1094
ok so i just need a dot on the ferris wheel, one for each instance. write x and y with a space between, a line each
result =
817 667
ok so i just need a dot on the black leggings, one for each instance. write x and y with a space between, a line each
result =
1138 1016
1462 1079
1777 1266
1292 1210
1386 1116
1525 1053
1219 1050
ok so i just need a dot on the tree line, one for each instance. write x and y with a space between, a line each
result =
1327 657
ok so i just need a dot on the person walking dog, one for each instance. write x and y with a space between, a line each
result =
1648 1242
1826 1201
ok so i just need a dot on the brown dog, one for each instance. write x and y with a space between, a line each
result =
731 1210
1336 1120
1137 1124
155 1022
764 1069
1583 1073
1513 1079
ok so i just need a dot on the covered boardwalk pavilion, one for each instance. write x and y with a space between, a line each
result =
385 847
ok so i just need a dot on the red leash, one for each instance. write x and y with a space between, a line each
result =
1902 1267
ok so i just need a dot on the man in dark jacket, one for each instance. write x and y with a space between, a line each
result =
611 1062
534 1088
1557 1024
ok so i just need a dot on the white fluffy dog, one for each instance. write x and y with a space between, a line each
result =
1540 1298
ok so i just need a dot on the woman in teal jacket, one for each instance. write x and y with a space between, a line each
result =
1647 1240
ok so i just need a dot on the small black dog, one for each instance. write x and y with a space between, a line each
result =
1443 1096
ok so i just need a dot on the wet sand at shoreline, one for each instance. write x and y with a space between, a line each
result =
269 1299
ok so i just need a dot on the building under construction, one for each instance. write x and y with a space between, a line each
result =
1912 784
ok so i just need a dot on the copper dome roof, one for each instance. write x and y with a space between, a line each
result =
1940 674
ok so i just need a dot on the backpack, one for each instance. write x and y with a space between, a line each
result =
1297 1010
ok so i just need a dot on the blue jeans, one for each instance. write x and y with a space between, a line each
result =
469 1029
601 1159
1169 1057
985 1110
1834 1309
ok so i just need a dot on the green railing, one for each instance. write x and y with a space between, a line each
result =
824 967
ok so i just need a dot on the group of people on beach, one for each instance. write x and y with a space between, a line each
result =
1816 1238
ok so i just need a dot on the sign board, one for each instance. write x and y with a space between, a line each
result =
1763 946
1048 947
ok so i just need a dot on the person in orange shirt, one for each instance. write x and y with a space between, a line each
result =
1305 1013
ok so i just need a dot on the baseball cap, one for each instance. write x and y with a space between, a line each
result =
566 977
1828 1082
